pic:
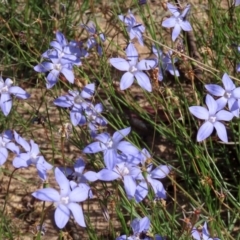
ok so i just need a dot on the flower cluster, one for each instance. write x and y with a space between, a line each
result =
202 235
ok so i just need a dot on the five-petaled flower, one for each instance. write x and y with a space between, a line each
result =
110 146
134 69
66 200
177 21
228 95
6 89
212 119
134 28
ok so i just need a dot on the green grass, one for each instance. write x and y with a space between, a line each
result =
206 175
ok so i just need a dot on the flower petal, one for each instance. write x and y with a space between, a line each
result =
215 90
169 22
224 115
132 54
204 131
173 9
161 171
110 158
88 91
141 191
129 186
228 83
146 64
6 103
19 92
62 181
79 194
199 112
3 155
77 213
68 73
94 147
211 104
143 81
120 64
119 135
186 26
61 216
107 175
221 131
47 194
126 80
176 31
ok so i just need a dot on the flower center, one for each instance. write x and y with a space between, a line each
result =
227 94
78 99
123 171
109 143
64 200
4 89
212 119
34 158
133 69
57 66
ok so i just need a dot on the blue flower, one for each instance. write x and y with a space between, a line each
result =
165 63
134 69
110 146
134 28
228 95
204 235
177 21
57 66
125 171
32 156
94 38
6 89
68 52
237 2
151 177
212 119
5 145
77 101
66 201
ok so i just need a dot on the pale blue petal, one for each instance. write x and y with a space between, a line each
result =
107 175
52 78
126 80
199 112
79 165
169 22
120 64
185 11
143 81
110 158
186 26
129 186
19 92
61 216
211 104
77 213
224 115
6 103
132 54
173 9
62 102
221 131
221 103
204 131
161 171
68 74
47 194
43 67
119 135
34 148
236 92
19 162
79 194
62 181
88 91
12 147
228 83
215 90
3 155
144 225
61 38
127 147
94 147
141 191
22 142
91 176
146 64
176 31
196 234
